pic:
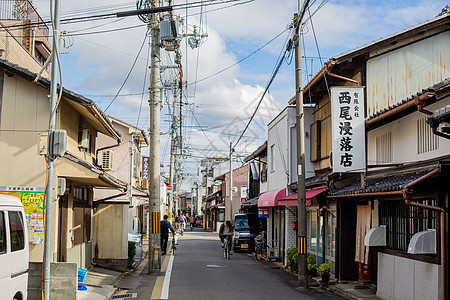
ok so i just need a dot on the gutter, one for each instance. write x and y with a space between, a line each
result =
407 195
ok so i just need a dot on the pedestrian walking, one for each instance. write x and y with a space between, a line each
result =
165 227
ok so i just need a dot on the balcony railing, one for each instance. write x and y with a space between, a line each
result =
22 10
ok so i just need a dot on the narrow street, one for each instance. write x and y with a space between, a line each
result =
199 271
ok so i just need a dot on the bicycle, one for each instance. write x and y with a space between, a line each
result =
174 247
260 245
227 241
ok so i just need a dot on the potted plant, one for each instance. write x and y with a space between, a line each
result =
292 257
312 267
324 271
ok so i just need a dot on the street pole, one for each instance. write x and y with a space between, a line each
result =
301 193
155 155
51 166
173 134
231 183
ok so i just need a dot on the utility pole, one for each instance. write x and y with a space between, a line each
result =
51 166
231 183
301 193
154 149
173 135
130 185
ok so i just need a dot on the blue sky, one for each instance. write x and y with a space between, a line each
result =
97 64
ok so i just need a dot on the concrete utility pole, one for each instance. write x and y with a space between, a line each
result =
51 166
154 155
173 136
302 253
231 183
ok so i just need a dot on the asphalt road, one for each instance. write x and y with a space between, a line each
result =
200 272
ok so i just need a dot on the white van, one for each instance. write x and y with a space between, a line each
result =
14 253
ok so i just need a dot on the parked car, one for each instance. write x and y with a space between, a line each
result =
243 241
199 221
13 249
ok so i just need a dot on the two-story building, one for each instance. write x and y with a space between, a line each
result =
24 126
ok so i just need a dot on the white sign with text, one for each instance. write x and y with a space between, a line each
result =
348 129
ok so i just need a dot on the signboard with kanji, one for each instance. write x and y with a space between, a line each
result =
145 167
33 205
348 129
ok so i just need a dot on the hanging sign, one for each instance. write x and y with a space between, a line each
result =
263 212
243 193
348 129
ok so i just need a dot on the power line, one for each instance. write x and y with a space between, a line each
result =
129 73
241 60
277 68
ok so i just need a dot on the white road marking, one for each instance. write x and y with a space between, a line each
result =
166 284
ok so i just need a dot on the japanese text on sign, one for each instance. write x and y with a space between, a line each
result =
348 129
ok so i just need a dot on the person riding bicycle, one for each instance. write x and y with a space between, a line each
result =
182 223
165 227
225 229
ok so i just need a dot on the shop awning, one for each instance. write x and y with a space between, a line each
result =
269 199
292 198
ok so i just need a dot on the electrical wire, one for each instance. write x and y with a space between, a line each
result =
128 75
274 74
143 86
241 60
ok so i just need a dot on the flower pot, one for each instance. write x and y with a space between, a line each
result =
312 273
325 278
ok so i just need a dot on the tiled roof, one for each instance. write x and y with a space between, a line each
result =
384 182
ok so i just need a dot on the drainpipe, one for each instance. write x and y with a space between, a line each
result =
421 100
407 195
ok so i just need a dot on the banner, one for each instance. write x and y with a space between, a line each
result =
348 129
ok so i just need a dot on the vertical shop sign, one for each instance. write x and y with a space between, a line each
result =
348 131
145 167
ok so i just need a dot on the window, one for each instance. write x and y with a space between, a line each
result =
315 141
263 168
272 158
16 231
2 233
403 221
384 148
426 140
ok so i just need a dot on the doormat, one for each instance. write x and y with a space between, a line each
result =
129 282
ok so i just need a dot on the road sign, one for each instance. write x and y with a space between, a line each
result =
169 187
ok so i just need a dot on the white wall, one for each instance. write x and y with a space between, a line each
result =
404 138
402 278
278 130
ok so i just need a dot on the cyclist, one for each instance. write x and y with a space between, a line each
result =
182 223
165 227
225 229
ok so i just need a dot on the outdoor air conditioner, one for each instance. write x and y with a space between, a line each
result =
84 139
107 158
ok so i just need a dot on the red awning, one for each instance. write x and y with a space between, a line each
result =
271 198
292 198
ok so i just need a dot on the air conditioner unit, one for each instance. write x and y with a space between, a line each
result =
85 138
107 158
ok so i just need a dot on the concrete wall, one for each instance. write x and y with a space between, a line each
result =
401 278
81 254
63 281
